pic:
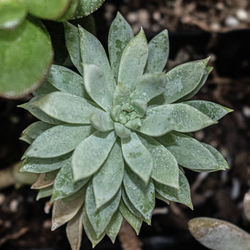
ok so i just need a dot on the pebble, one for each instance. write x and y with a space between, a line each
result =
242 15
231 21
246 111
14 206
2 199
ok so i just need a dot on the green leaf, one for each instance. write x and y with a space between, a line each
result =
12 13
181 195
102 122
64 185
165 170
47 9
66 107
39 165
45 180
133 60
86 7
160 197
134 221
26 55
66 80
35 129
65 209
44 89
44 193
179 117
74 230
219 235
158 51
97 87
121 130
92 52
120 34
101 218
108 179
210 109
91 153
189 152
140 195
70 11
90 231
72 41
137 157
114 226
57 141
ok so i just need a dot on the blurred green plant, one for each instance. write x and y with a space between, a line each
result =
26 51
116 136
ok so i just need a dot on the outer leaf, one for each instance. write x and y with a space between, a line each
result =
70 11
101 218
12 13
141 196
133 60
158 53
179 117
108 179
90 231
134 221
64 185
57 141
97 87
189 152
74 231
65 209
165 170
44 89
73 45
92 52
137 157
181 195
38 165
120 34
24 61
66 107
45 192
66 80
114 226
210 109
91 154
47 9
86 7
219 235
44 180
102 122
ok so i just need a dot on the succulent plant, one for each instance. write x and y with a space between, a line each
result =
116 136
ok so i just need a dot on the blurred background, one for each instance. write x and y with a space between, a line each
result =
197 28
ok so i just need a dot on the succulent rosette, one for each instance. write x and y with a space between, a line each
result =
116 136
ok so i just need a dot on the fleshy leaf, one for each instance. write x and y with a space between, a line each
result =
137 157
44 89
97 87
140 195
24 61
219 235
57 141
65 209
158 51
64 185
44 193
114 226
100 218
91 154
102 122
66 80
189 152
74 231
134 221
165 170
70 11
133 60
73 45
12 13
160 197
210 109
45 180
39 165
121 130
47 9
108 179
120 34
66 107
181 195
179 117
92 52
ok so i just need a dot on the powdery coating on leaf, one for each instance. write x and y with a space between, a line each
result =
114 226
102 122
219 235
86 7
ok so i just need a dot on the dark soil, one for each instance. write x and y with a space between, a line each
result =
23 223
